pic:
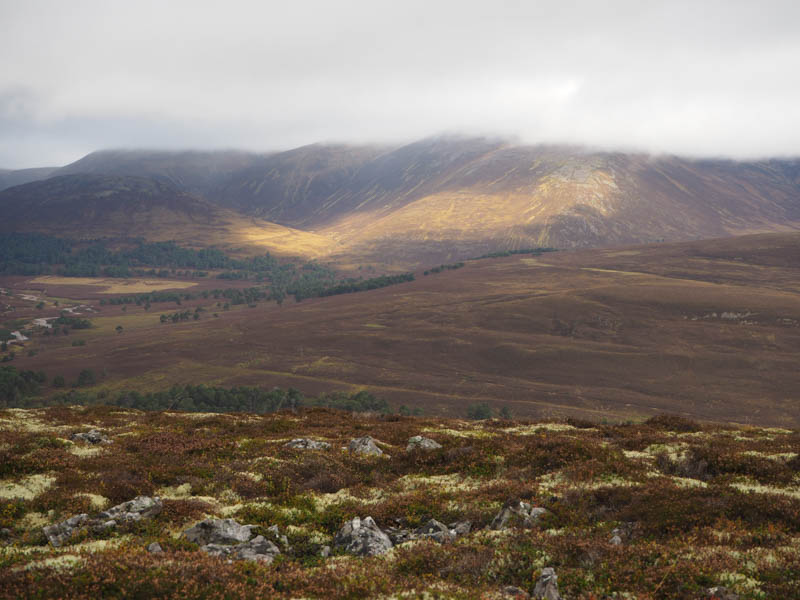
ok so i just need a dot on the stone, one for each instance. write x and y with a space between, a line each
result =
325 552
362 537
278 536
218 532
307 444
615 540
141 507
435 530
364 445
93 437
460 528
155 548
517 514
60 533
422 443
512 592
721 593
259 549
5 533
547 585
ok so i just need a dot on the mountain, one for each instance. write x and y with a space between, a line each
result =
10 178
446 198
193 171
93 206
449 197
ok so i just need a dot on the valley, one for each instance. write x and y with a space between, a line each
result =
616 334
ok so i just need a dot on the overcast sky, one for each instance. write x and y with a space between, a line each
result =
697 78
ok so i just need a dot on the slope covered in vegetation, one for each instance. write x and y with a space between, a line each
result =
668 508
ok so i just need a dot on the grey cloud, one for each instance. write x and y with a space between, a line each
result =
700 78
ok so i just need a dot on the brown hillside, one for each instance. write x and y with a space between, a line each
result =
709 329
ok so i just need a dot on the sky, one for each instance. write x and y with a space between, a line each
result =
698 78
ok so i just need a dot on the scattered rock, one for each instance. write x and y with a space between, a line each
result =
622 534
364 445
5 533
93 437
141 507
435 530
460 528
422 443
547 585
155 548
259 549
307 444
720 593
362 537
60 533
284 541
517 514
218 532
325 552
228 539
512 592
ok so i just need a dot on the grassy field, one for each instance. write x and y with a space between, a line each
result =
695 506
116 286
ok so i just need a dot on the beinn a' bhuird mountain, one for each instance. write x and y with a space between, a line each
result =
450 198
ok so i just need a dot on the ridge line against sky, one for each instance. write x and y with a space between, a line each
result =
701 78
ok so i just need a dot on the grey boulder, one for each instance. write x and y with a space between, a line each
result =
422 443
362 537
547 585
218 531
307 444
517 514
437 531
60 533
155 548
141 507
364 445
92 436
259 549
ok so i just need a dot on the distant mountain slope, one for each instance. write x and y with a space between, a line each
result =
10 178
94 206
447 198
194 171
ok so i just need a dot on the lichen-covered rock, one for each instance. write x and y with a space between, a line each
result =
547 585
278 536
364 445
517 514
259 549
92 436
155 548
60 533
422 443
141 507
362 537
460 528
218 531
435 530
307 444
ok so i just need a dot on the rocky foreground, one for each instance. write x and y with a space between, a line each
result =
111 503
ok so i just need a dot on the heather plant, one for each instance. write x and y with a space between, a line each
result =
695 505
